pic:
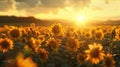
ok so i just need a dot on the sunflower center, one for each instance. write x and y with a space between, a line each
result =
88 35
42 55
72 45
56 30
95 52
93 31
15 33
99 35
5 44
53 44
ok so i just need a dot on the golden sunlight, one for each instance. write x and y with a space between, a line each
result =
80 20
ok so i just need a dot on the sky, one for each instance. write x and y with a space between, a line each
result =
62 9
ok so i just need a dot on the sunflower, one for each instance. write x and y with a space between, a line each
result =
1 29
117 32
26 47
99 35
27 62
42 38
72 29
33 33
25 32
6 27
69 34
93 31
35 43
32 40
6 44
3 35
24 40
108 30
15 33
80 58
54 44
95 53
88 35
109 62
43 54
72 44
32 25
56 29
20 61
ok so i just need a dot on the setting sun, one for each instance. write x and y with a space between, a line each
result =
52 33
80 20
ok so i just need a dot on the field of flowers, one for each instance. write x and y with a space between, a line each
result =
59 46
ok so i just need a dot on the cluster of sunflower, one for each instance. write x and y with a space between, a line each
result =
59 46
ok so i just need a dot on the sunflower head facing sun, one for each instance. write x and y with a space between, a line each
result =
6 44
95 53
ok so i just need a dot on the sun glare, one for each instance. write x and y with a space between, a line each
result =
80 20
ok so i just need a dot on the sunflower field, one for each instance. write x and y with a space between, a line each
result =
59 46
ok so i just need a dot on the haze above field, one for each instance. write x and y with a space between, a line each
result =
62 9
26 21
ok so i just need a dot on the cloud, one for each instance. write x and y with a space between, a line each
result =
40 6
50 4
53 3
27 4
33 7
6 5
107 1
80 3
24 4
